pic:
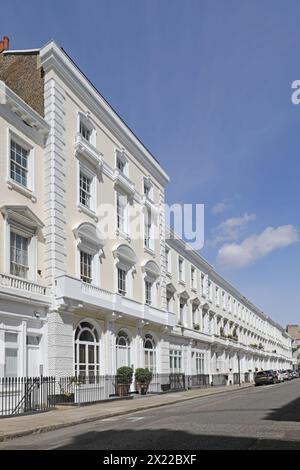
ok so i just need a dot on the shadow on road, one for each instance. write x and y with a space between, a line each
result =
165 439
289 412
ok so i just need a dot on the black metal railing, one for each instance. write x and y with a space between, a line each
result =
236 378
246 377
198 380
88 389
21 395
219 379
167 382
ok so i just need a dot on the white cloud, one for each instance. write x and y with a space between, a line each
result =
255 247
220 207
230 229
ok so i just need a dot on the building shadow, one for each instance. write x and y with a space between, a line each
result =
166 439
289 412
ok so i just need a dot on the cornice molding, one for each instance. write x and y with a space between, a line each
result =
54 58
38 128
179 245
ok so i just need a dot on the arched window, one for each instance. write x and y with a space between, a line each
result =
150 353
122 349
87 350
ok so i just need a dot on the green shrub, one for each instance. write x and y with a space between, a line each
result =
124 375
143 375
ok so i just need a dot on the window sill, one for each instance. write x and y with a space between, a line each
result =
149 250
88 212
13 185
120 233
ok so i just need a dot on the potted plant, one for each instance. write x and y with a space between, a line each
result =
143 378
123 380
196 326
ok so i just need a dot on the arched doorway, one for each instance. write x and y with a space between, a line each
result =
122 349
87 361
150 353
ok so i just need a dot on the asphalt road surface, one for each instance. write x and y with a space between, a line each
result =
256 418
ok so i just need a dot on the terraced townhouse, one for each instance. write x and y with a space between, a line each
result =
76 302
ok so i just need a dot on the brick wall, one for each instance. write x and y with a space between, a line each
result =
24 75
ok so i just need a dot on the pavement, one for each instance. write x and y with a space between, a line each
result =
66 416
255 418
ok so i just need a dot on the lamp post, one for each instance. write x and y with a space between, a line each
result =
239 369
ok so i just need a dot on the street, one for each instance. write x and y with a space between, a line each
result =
256 418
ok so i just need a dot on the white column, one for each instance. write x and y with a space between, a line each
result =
109 338
2 350
23 349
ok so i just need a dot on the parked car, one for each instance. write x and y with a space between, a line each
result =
280 375
285 375
290 374
265 377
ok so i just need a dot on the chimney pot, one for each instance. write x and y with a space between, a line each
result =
4 44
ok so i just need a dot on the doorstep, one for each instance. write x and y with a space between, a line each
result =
59 418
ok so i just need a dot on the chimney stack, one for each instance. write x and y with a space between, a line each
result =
4 44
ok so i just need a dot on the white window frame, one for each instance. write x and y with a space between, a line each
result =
182 312
29 189
89 257
95 267
148 288
121 157
181 269
122 292
193 277
168 260
23 252
210 289
147 184
203 284
217 291
223 300
199 362
91 175
95 250
175 356
25 232
122 198
150 357
170 301
148 229
86 120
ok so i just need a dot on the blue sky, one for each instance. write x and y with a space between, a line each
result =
206 85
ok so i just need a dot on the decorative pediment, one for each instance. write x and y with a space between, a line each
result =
125 255
85 149
88 238
184 295
171 288
23 216
151 269
195 301
206 307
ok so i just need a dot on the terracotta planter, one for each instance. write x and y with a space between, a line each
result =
141 388
122 390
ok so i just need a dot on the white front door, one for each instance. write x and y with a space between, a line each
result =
33 361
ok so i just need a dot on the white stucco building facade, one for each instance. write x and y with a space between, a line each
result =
80 292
